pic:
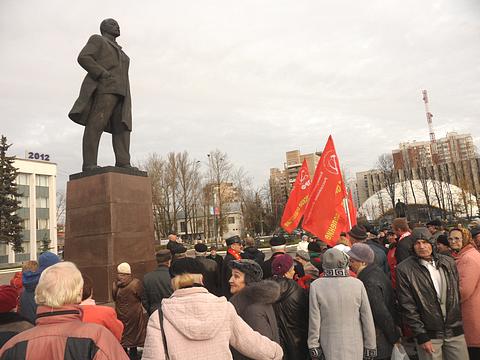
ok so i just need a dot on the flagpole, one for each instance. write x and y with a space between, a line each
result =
345 203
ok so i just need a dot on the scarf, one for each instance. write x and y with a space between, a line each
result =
235 254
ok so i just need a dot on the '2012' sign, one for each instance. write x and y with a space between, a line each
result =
38 156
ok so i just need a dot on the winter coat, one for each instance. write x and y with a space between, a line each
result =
102 315
156 286
198 325
254 304
267 265
291 310
127 296
468 265
382 301
404 249
98 55
252 253
380 256
340 321
11 324
419 301
60 334
27 304
210 276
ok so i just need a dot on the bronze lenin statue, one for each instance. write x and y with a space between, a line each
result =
104 103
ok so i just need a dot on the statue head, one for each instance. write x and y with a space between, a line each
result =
111 27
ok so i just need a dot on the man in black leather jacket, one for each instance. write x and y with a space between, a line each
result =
428 292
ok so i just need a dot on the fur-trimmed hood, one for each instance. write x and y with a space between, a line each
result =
265 292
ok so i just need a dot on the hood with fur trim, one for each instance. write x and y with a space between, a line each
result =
262 292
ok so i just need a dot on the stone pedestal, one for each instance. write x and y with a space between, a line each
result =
109 220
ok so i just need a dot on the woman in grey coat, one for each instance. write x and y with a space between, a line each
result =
253 299
341 323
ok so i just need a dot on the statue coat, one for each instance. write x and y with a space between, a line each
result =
101 54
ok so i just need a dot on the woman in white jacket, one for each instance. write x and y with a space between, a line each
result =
194 324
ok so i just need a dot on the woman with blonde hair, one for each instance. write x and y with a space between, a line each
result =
193 323
59 332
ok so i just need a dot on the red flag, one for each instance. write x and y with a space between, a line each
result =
351 210
298 199
325 215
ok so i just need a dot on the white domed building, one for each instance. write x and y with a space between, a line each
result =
443 198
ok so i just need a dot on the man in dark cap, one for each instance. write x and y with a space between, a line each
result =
157 284
278 247
428 293
234 244
358 234
435 228
210 276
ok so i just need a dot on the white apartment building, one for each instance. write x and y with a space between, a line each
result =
36 182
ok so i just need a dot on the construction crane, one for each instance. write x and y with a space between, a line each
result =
433 141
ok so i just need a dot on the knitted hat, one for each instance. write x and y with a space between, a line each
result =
358 232
277 240
443 239
422 233
362 252
201 248
302 254
253 272
281 264
47 259
232 240
8 298
334 259
186 266
124 268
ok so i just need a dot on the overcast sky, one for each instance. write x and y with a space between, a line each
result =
253 78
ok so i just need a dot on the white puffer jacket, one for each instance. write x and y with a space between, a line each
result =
199 325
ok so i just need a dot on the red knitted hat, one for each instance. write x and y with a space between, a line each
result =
281 264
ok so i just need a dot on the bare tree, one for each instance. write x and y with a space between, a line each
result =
61 206
188 173
424 177
388 175
219 175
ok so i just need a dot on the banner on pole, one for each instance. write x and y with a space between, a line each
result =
298 200
325 215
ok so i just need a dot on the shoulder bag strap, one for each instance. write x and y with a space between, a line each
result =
164 339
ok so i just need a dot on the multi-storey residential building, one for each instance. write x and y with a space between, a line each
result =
36 182
294 161
455 147
449 149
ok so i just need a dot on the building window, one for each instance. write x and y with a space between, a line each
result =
231 220
23 179
41 180
42 202
26 224
24 201
183 227
42 224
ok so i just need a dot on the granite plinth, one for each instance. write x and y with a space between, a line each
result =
109 169
109 220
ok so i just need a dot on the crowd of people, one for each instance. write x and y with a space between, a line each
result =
404 289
